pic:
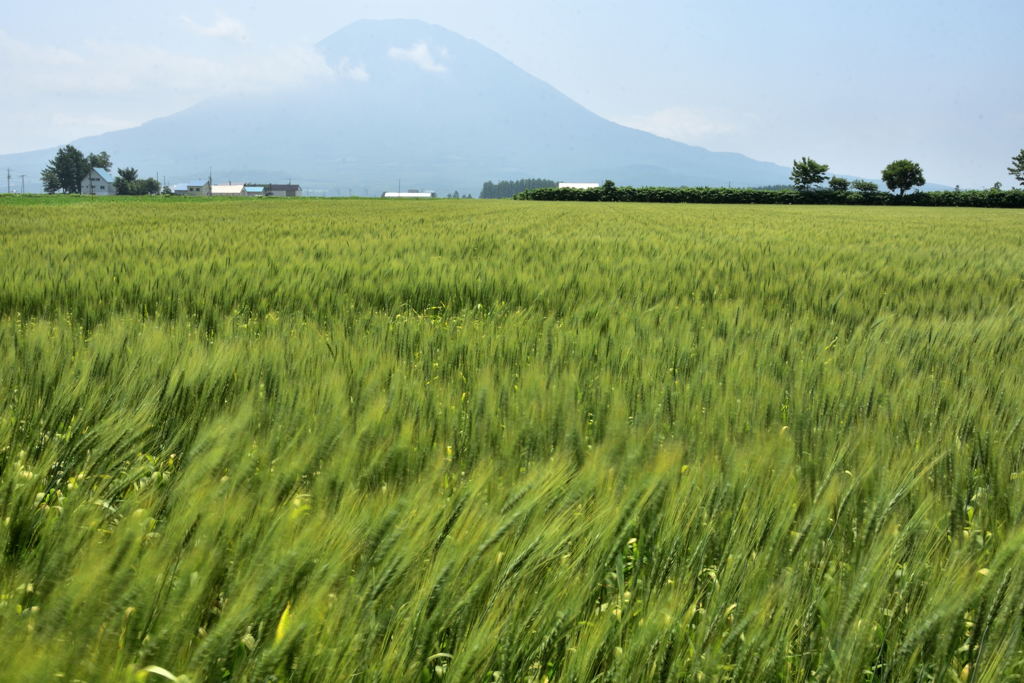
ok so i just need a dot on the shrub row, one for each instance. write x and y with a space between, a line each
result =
1005 199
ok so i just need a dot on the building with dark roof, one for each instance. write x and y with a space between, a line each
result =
285 190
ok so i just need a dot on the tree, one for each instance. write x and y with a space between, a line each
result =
506 189
902 175
807 172
149 186
51 183
1016 168
865 186
65 171
101 160
838 184
124 180
128 182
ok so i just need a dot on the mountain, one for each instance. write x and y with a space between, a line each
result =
413 103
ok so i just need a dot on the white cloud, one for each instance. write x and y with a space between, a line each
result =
352 72
106 69
224 27
418 54
96 87
684 124
13 51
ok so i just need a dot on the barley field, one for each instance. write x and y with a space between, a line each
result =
331 440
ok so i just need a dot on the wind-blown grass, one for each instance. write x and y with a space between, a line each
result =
479 441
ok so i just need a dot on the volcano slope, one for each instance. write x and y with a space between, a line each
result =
407 102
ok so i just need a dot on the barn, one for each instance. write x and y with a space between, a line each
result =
409 195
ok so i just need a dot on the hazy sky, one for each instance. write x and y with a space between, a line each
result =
854 85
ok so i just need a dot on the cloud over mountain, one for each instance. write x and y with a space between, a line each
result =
418 54
380 101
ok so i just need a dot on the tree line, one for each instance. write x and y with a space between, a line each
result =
609 192
809 178
900 175
506 189
69 167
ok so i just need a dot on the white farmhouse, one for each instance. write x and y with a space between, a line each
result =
239 190
228 190
99 182
579 186
409 195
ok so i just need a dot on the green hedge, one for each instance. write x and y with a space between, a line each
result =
1005 199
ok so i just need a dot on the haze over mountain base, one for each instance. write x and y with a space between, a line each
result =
413 104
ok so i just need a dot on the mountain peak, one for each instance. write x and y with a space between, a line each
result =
395 46
414 101
388 30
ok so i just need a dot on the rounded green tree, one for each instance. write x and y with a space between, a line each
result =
902 175
838 184
807 172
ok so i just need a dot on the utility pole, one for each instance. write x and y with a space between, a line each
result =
8 181
23 183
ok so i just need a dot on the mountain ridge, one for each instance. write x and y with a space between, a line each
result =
412 103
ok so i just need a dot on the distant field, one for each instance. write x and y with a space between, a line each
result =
323 440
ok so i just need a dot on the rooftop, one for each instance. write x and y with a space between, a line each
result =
227 189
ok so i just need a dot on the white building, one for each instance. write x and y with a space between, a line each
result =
191 189
98 182
409 195
207 189
229 190
578 186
